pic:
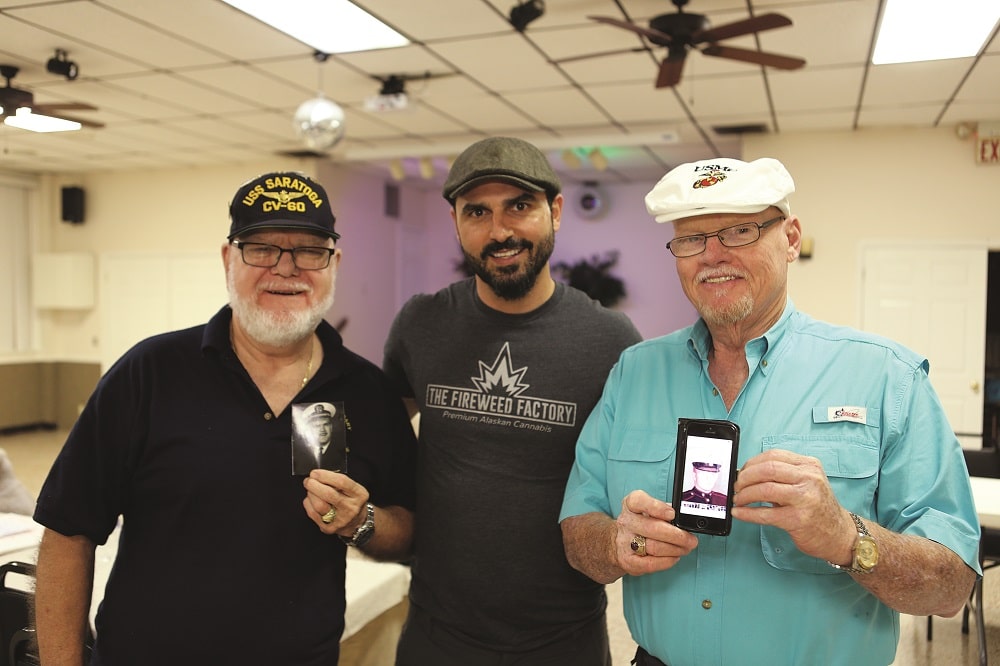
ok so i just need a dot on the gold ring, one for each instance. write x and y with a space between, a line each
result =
329 515
639 545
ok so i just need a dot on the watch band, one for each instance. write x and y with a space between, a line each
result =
365 531
864 539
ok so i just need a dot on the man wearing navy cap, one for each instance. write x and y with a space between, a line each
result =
852 503
503 368
225 556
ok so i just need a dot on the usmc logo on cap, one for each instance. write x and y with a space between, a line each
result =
709 175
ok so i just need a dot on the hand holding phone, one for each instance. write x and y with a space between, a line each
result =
704 474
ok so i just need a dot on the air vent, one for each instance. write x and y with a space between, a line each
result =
300 154
757 128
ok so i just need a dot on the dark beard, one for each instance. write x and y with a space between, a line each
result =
512 282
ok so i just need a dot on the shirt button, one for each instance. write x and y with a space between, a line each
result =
268 416
715 392
706 604
764 363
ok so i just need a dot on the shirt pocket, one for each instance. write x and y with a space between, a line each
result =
851 464
641 458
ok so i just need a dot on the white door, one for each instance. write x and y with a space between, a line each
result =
933 300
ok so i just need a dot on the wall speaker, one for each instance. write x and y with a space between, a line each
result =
72 205
391 200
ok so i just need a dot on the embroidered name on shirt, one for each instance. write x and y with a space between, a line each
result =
855 414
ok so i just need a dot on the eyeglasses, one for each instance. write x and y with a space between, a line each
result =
264 255
736 236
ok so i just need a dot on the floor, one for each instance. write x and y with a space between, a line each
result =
32 453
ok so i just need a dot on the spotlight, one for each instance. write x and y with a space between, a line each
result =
397 170
526 12
598 159
426 168
58 64
571 160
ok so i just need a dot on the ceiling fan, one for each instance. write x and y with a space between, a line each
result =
12 99
682 32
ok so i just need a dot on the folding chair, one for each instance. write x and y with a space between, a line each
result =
17 644
984 462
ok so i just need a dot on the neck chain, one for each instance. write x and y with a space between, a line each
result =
309 366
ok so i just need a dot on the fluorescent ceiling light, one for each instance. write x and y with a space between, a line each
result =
916 30
34 122
329 26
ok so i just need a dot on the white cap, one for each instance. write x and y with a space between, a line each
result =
720 185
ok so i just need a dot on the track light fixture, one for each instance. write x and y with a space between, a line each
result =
526 12
58 64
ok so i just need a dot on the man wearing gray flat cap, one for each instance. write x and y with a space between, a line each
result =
852 504
503 368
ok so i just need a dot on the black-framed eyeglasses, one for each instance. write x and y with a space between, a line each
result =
735 236
264 255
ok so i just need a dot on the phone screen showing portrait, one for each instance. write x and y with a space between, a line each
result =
704 475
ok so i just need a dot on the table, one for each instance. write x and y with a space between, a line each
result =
372 588
986 493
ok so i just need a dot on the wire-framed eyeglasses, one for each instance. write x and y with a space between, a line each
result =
264 255
735 236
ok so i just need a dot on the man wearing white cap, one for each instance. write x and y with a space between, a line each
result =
852 504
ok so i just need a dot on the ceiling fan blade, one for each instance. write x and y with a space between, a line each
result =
739 28
670 72
757 57
63 116
44 109
600 54
657 37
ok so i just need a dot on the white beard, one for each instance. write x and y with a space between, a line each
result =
736 312
277 329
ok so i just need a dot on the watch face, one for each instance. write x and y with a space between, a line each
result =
866 554
364 534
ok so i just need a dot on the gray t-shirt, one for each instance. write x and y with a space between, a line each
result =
502 400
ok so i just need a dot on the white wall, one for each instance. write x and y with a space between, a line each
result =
890 185
137 211
852 187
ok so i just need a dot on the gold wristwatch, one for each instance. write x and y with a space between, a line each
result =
865 551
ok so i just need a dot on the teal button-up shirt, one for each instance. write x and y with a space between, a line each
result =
861 404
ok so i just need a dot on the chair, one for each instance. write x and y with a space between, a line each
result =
18 646
16 632
986 463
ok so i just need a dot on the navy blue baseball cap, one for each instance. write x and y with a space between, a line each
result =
282 200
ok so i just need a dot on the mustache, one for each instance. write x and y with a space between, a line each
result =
712 273
285 286
509 244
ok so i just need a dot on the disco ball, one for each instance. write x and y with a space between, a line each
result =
319 122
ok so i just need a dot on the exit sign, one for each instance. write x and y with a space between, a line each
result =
988 149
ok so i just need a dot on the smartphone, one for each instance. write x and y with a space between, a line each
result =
704 475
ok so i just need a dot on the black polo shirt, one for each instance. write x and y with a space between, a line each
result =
218 561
